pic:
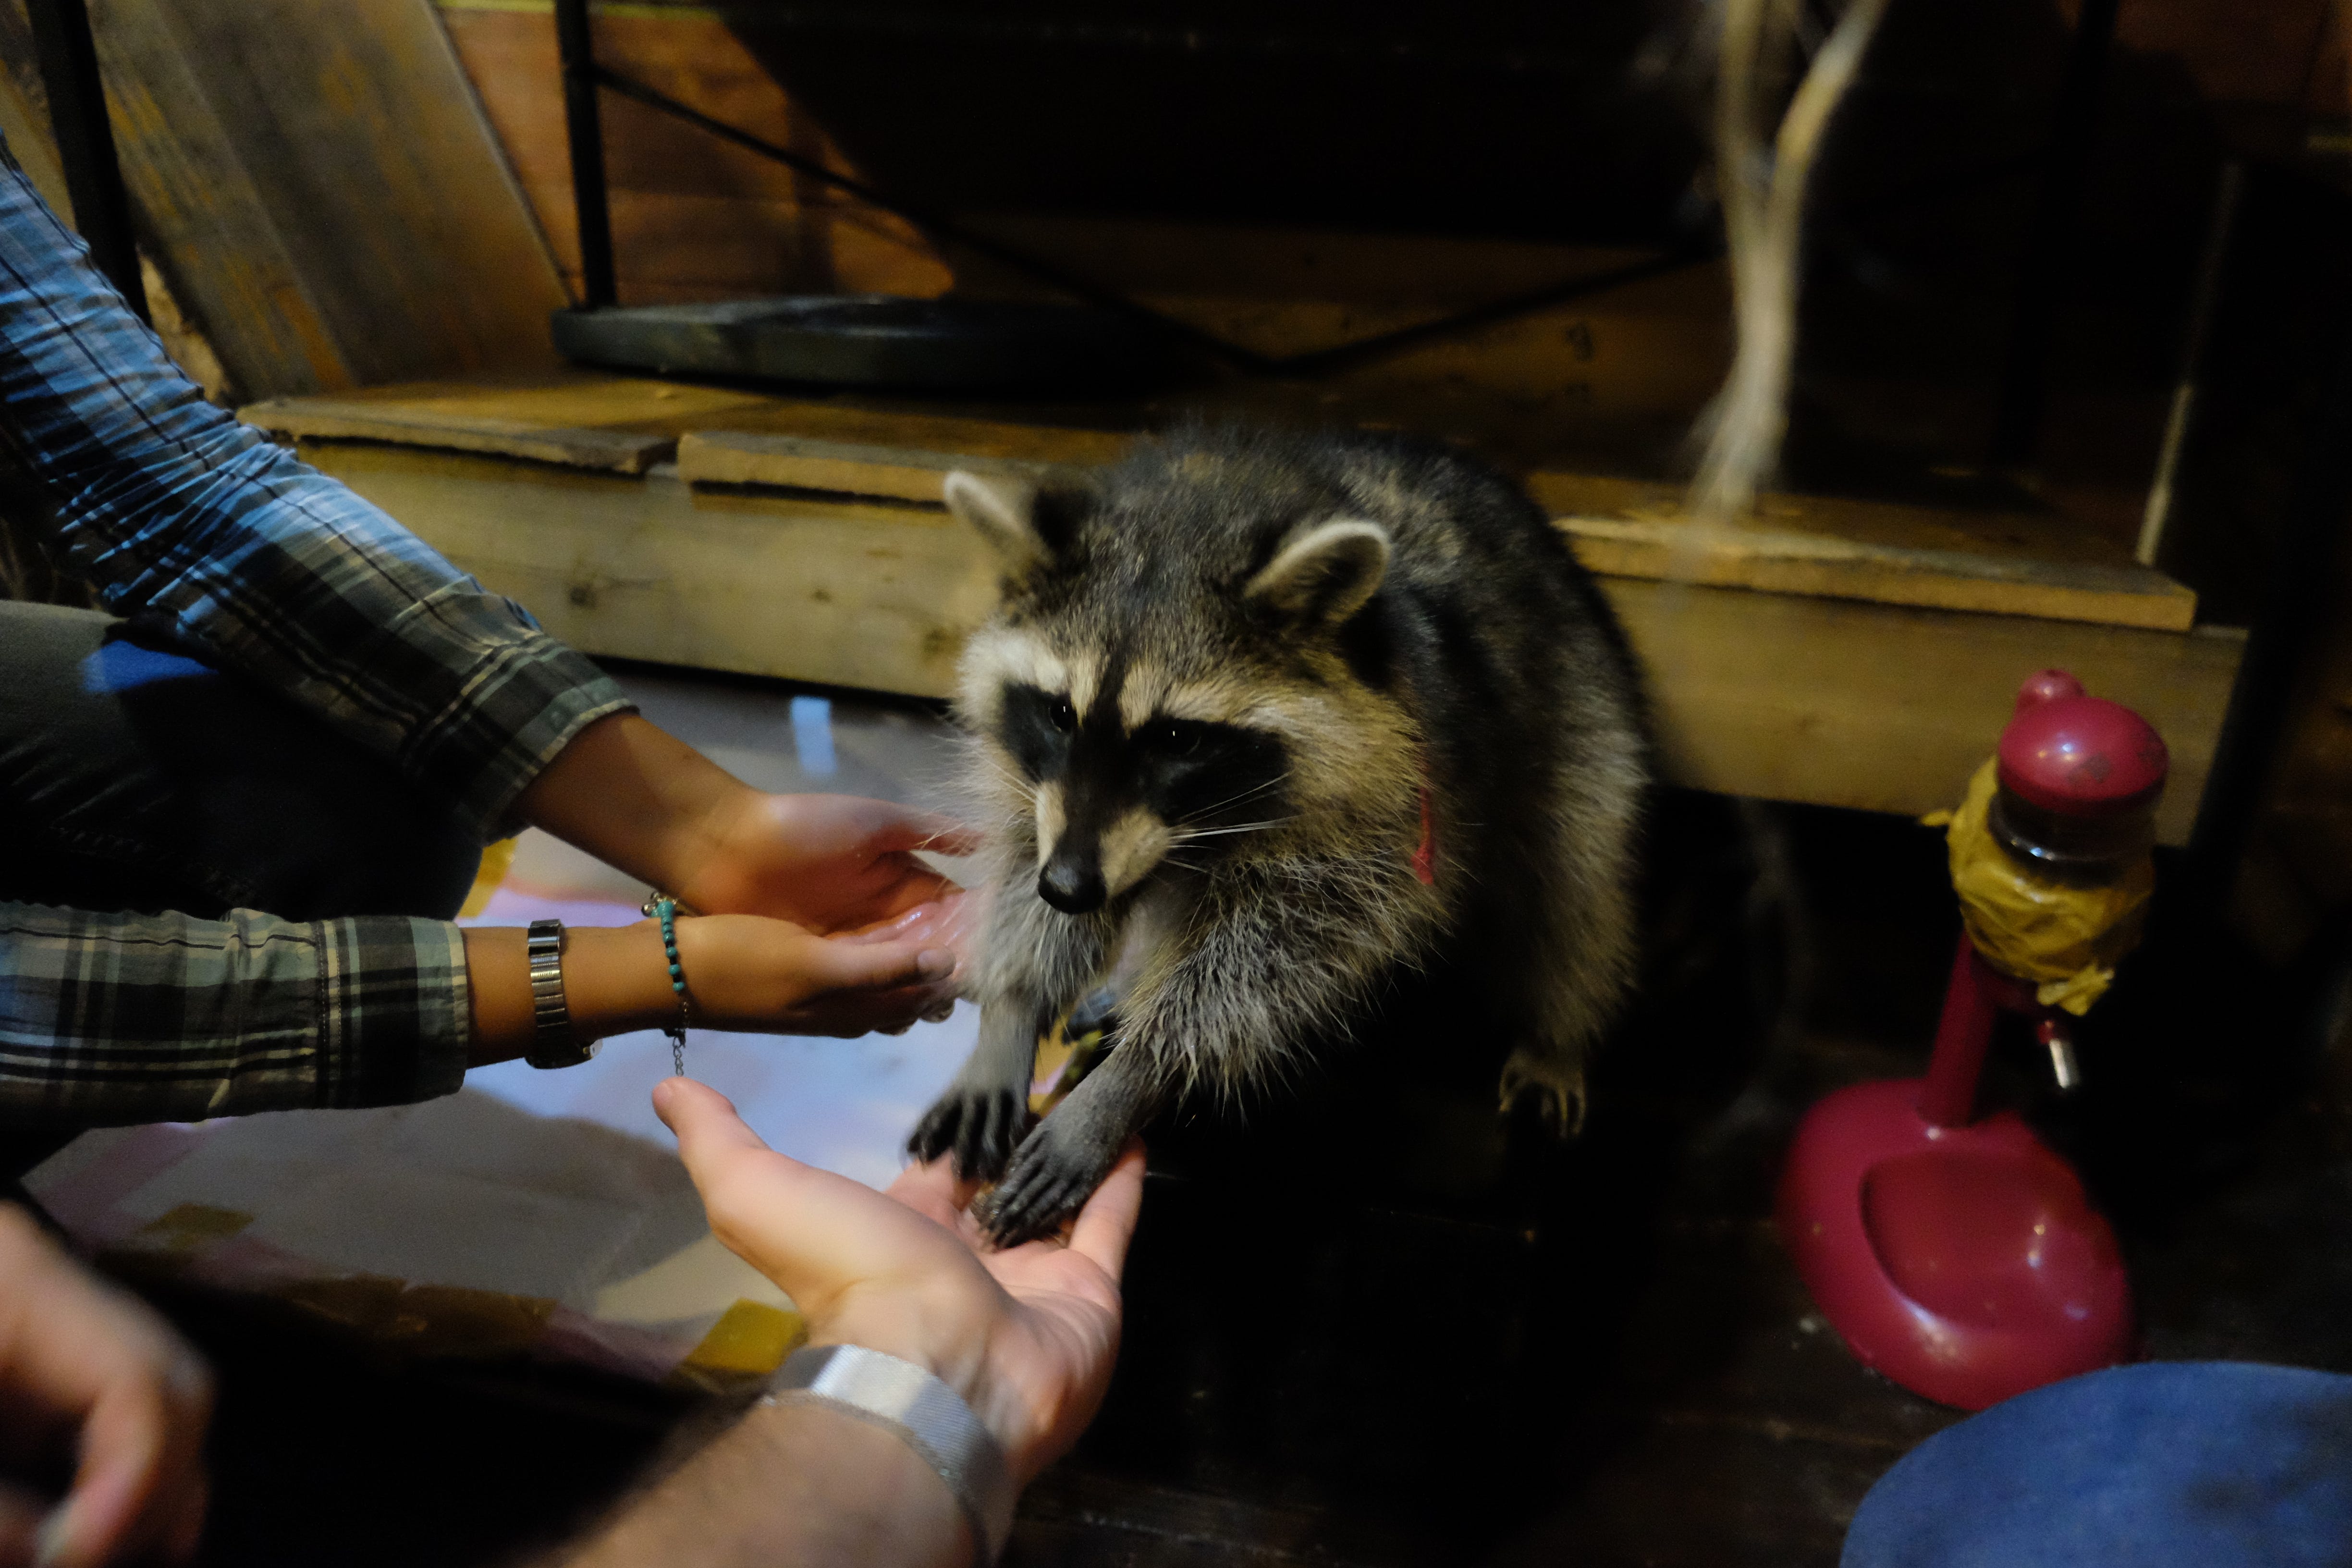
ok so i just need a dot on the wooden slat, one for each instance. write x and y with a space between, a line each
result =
894 471
581 420
1987 563
579 448
795 462
1998 563
1993 564
1787 697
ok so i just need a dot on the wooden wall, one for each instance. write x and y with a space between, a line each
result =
319 186
693 218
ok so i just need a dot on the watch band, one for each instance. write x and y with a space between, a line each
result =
925 1414
551 1043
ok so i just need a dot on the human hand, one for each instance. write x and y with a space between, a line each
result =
641 799
827 862
84 1364
746 972
1026 1336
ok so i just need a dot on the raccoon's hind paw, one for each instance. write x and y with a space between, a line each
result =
981 1127
1051 1178
1552 1087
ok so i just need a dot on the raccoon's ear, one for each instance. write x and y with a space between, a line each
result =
1324 574
1011 513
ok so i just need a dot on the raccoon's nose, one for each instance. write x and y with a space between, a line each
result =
1071 886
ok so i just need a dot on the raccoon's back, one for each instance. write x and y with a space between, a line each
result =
1513 654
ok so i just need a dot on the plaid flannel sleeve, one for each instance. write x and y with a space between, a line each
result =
182 515
113 1019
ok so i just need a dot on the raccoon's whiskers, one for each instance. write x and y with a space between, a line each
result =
1022 787
1257 789
1186 835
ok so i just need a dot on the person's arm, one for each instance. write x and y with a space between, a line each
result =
93 1369
791 1484
193 523
184 517
113 1019
743 970
643 800
1026 1337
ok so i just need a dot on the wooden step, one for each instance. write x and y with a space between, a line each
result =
2009 564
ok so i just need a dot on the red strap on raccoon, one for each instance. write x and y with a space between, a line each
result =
1424 859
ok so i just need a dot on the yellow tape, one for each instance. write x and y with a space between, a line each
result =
188 1227
749 1340
2065 939
498 860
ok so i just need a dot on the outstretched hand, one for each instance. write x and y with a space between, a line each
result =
828 863
1026 1335
641 799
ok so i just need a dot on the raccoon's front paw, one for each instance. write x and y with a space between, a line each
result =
981 1127
1053 1174
1554 1087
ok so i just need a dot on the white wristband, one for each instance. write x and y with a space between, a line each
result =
925 1414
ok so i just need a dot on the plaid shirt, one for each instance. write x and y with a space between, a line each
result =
280 573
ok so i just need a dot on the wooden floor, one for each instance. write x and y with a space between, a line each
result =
1352 1345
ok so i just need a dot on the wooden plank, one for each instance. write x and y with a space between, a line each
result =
850 594
1989 562
894 471
615 450
795 462
578 420
1785 696
320 188
1999 562
1994 563
1889 707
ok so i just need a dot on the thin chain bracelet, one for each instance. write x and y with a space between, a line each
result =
667 910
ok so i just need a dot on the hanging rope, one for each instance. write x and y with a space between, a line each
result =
1763 197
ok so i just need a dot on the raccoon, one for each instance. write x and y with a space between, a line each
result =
1262 719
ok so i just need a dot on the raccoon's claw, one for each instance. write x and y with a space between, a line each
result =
981 1127
1555 1090
1049 1181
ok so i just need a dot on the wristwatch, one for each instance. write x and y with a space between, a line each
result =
551 1043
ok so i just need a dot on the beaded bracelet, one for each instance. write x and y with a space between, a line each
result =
665 908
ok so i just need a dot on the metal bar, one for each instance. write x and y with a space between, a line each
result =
2292 613
101 209
2158 511
2050 241
575 48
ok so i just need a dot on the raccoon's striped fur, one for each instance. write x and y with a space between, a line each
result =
1260 719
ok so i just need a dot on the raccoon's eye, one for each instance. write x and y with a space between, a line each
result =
1065 717
1174 738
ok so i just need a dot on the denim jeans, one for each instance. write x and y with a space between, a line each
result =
135 777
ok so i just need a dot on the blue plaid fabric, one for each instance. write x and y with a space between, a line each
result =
182 516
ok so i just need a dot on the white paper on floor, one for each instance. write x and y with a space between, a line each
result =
557 1187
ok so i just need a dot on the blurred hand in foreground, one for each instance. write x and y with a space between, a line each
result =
86 1368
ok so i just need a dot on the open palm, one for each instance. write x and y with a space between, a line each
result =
1027 1336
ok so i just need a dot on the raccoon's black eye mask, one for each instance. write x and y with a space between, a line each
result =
1185 769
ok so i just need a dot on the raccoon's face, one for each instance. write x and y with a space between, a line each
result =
1114 800
1139 698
